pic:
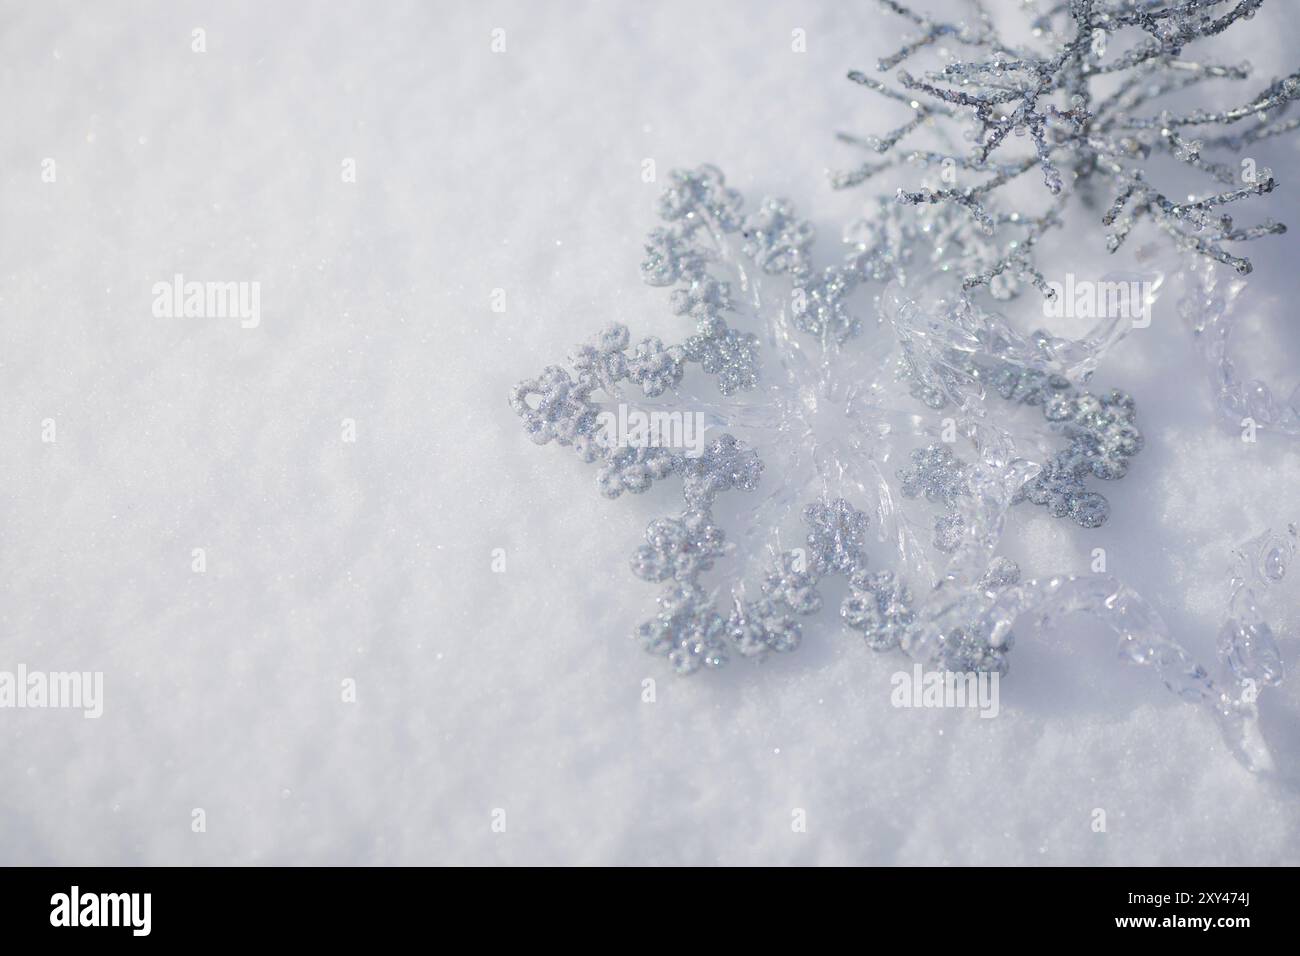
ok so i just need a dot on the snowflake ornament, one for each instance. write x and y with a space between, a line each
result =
869 434
811 423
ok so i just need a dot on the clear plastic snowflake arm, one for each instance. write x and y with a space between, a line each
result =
1143 639
993 489
707 229
1209 308
908 539
934 313
775 501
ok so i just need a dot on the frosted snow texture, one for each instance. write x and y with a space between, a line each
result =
519 690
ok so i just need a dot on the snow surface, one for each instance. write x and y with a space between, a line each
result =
326 560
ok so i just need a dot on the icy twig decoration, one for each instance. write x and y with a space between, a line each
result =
1079 140
1209 307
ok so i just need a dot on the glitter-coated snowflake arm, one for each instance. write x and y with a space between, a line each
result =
693 634
567 409
700 211
708 230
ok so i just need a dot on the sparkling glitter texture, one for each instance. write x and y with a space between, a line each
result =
1041 108
824 420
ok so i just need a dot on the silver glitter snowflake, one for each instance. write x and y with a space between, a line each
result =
810 420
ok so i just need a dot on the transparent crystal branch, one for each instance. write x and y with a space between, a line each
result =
1143 639
1209 308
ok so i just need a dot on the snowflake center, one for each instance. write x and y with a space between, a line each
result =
823 422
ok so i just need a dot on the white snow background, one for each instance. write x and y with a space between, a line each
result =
326 560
